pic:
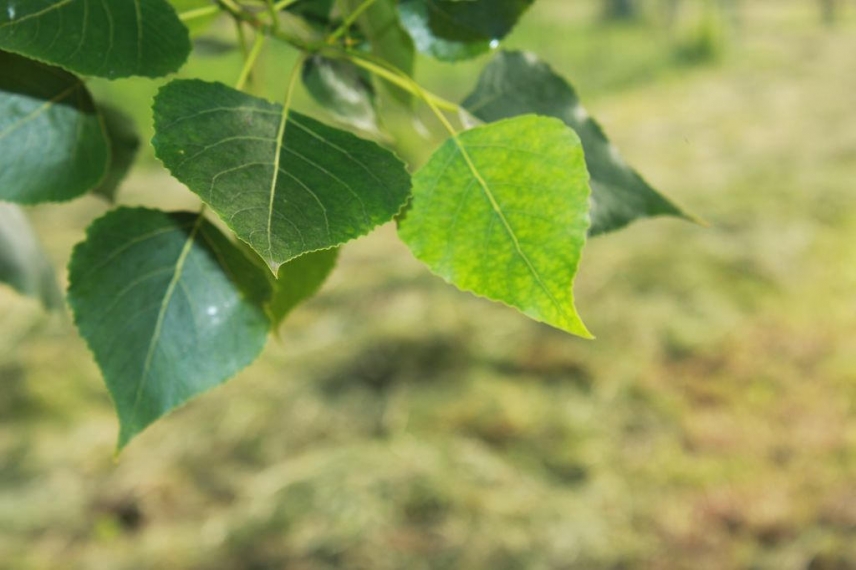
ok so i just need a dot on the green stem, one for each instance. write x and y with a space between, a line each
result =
250 61
272 11
199 13
264 28
396 77
349 21
282 4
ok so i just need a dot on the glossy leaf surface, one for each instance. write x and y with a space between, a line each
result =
169 307
502 211
115 38
517 83
343 89
284 186
124 143
459 29
23 263
53 146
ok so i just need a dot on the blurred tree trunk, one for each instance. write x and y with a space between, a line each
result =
620 9
829 11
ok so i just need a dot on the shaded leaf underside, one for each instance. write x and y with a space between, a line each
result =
53 145
517 83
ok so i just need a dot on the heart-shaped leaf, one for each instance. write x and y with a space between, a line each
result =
52 142
169 307
502 211
286 184
517 83
111 39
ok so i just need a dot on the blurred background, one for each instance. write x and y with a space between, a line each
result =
397 423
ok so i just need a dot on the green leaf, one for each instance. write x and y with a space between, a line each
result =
517 83
389 40
286 187
52 143
343 89
459 29
502 211
115 38
169 307
23 263
124 143
315 12
298 280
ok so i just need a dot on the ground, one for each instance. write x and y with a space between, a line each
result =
398 423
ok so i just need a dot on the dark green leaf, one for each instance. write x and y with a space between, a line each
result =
389 41
169 307
52 142
124 143
286 187
298 280
502 211
516 83
316 12
459 29
343 89
23 263
115 38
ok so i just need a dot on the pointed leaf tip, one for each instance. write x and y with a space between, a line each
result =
169 307
502 211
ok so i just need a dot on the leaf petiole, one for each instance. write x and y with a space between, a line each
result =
349 21
397 77
250 60
198 13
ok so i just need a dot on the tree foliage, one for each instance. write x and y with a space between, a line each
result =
172 303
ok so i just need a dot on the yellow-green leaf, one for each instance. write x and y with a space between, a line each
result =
502 211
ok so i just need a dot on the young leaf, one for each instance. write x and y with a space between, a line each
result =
517 83
285 185
502 211
23 263
389 41
124 142
111 39
169 307
298 280
343 89
456 29
52 142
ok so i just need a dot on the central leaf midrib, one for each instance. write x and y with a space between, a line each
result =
509 230
280 141
51 8
164 306
41 109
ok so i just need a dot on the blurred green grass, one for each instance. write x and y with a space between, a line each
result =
398 423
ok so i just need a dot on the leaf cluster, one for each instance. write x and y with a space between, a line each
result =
174 303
